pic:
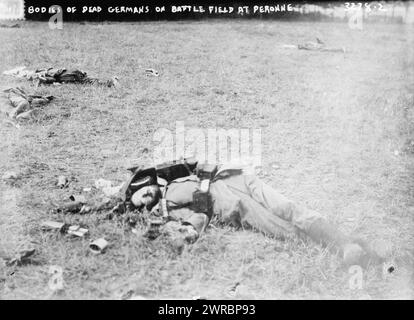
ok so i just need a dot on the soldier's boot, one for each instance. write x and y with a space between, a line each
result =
353 251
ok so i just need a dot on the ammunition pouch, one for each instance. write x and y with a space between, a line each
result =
202 201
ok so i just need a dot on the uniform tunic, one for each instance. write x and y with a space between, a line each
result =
240 199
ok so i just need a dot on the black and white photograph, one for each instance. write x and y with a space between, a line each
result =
206 150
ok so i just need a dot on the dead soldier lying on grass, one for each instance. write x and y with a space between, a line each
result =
181 198
318 45
21 105
334 132
57 76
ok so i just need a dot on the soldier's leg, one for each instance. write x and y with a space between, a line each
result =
308 222
280 205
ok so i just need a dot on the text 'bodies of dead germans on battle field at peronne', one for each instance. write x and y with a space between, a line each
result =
173 9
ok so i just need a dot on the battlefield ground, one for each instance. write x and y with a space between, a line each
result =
337 136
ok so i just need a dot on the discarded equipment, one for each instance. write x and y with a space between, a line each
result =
77 231
98 246
62 227
152 72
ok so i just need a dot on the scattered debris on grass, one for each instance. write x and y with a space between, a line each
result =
70 207
62 227
57 76
98 246
62 182
152 72
319 45
78 204
54 225
77 231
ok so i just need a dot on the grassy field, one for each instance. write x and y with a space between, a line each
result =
337 136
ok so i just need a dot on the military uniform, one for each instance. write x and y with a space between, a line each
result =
239 199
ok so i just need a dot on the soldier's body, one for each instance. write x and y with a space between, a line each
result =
242 199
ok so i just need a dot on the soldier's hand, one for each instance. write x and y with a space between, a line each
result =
177 231
190 234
